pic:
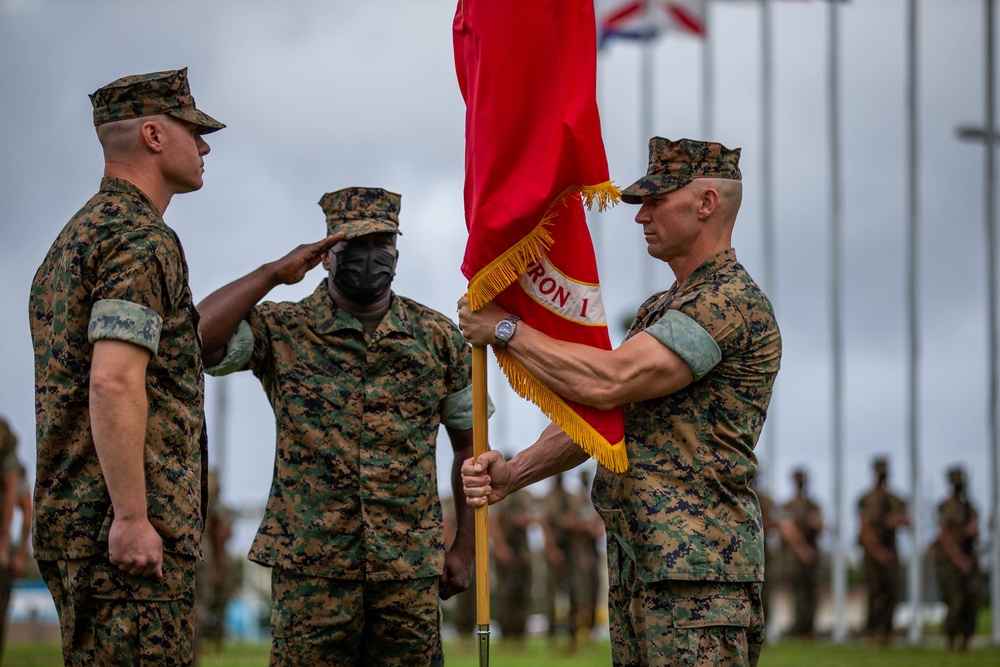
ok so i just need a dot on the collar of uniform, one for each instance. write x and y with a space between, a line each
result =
713 264
121 186
330 318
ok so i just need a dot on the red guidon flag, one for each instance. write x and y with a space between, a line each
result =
533 156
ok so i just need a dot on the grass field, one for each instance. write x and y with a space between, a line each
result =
536 654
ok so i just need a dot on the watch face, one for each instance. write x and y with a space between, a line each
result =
504 330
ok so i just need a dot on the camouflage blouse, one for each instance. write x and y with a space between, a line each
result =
116 271
354 493
684 509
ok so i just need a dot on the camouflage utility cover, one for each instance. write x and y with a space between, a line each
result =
359 211
149 94
354 493
674 164
684 509
115 271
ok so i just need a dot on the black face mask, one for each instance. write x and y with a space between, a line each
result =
364 273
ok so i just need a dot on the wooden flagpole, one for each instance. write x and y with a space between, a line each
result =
480 443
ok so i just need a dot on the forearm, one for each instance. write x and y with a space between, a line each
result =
118 411
552 453
640 369
222 311
464 513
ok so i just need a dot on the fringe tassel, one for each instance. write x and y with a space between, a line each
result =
497 276
611 456
607 195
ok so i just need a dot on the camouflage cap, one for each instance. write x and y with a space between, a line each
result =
956 475
674 164
360 211
149 94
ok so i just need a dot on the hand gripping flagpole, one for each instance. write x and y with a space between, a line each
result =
480 443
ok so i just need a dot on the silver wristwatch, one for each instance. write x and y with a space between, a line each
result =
505 329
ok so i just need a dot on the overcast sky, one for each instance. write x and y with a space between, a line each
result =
324 95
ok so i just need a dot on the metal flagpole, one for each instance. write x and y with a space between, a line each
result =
989 135
914 573
767 203
839 570
991 295
646 122
707 77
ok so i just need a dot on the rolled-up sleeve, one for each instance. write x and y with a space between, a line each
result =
239 349
456 410
689 340
116 319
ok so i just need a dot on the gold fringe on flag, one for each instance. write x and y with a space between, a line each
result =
610 455
607 194
498 275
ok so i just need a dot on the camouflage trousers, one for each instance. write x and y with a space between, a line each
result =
686 624
961 593
320 621
108 617
883 582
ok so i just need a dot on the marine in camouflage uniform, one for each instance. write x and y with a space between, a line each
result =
881 513
360 379
559 513
512 562
13 486
803 563
956 562
770 521
695 374
120 480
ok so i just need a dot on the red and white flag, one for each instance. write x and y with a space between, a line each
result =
646 19
534 154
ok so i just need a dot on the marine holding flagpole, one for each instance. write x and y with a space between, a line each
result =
694 376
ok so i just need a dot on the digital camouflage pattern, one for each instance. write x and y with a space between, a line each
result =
674 164
115 248
354 493
324 622
961 591
109 617
149 94
883 581
686 624
511 601
684 509
359 211
803 577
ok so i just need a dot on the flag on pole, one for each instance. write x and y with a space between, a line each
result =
646 19
534 155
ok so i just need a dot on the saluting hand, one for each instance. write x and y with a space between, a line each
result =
294 266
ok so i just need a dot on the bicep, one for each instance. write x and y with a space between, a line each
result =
120 363
650 369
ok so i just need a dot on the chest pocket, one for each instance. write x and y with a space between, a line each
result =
418 399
